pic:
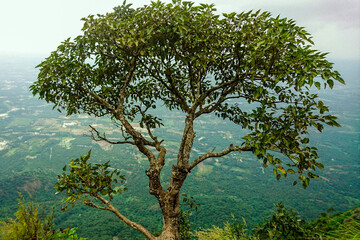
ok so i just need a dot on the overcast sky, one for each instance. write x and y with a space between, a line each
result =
36 27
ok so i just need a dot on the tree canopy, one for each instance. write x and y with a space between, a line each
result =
189 58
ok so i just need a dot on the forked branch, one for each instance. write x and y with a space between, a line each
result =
212 154
100 137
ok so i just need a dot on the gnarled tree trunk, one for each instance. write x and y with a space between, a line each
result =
171 222
170 203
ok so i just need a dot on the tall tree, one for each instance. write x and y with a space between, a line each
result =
188 58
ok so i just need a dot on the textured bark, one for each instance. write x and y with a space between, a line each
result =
170 210
170 203
186 141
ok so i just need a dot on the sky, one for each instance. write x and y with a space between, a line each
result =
37 27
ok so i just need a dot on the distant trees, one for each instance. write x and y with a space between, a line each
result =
188 59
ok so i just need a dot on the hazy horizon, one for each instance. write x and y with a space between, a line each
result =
38 27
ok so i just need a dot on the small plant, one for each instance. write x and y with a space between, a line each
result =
338 226
234 230
28 224
68 234
184 216
31 224
185 224
283 224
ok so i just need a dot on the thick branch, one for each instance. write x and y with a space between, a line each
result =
99 99
212 154
139 140
126 83
161 156
186 141
91 204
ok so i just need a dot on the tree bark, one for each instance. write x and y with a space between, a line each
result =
171 224
170 200
170 205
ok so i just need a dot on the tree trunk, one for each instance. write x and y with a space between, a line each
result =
171 224
170 229
170 205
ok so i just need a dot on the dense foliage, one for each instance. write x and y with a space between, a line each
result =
285 224
189 59
31 223
86 182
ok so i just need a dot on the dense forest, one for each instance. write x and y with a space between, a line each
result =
31 222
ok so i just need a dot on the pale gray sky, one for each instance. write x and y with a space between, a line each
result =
36 27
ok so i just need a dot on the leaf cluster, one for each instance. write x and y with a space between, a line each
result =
283 224
85 181
189 201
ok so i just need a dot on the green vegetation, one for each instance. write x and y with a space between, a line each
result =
204 170
249 194
30 223
285 224
252 69
339 226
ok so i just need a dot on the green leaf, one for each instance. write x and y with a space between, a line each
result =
331 83
305 140
74 166
291 171
275 172
278 177
306 182
282 171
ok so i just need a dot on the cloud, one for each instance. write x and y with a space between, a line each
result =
345 13
38 26
340 43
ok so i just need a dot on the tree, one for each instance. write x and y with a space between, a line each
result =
189 59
